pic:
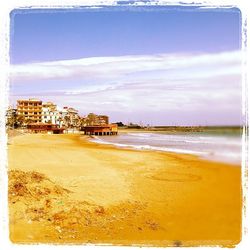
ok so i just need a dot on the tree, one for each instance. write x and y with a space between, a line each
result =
66 121
120 124
20 120
11 118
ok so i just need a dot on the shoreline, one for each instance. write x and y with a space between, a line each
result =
202 156
134 147
120 196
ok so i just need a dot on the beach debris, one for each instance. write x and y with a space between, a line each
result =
177 243
32 185
38 199
38 177
19 189
47 203
100 210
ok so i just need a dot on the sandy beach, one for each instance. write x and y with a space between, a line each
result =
65 189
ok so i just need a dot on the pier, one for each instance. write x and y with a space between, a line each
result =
109 129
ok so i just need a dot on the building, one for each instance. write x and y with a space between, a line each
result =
96 120
103 119
108 129
33 111
50 114
30 110
44 128
50 105
70 117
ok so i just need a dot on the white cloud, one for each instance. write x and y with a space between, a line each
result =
142 83
109 68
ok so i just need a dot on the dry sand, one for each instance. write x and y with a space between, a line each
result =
63 188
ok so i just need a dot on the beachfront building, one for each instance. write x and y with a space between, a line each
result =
96 120
69 117
30 110
50 105
103 119
94 124
35 111
50 114
44 128
108 129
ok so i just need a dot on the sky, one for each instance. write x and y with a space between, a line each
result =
154 65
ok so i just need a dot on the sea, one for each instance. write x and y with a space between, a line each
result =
220 148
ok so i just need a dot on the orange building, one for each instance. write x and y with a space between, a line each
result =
109 129
45 128
30 109
49 105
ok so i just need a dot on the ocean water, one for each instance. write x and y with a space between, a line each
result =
223 148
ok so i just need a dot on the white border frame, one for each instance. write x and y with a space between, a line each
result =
5 10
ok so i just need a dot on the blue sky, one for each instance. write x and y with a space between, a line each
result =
149 64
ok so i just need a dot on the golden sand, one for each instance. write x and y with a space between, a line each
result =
82 192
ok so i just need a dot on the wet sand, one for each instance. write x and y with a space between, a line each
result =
65 189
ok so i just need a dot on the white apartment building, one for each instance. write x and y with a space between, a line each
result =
70 117
50 114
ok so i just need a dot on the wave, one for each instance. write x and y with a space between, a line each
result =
214 151
219 140
148 147
141 134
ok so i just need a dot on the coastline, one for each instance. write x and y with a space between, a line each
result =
178 143
141 197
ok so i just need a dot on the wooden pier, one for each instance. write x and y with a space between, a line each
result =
109 129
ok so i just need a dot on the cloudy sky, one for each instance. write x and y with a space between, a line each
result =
159 66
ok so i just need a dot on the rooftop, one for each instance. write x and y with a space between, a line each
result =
29 100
